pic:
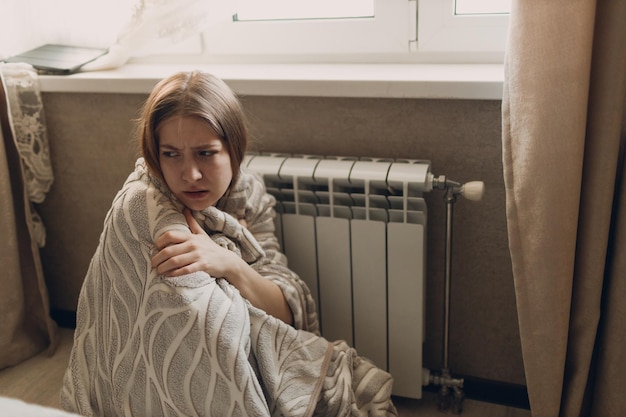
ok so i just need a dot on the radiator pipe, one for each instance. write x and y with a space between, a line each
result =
452 189
450 198
451 393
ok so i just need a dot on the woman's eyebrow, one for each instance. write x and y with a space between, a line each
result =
212 144
207 145
168 147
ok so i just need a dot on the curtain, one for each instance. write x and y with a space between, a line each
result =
153 21
25 176
564 133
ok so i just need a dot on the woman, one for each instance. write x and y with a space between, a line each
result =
188 307
198 155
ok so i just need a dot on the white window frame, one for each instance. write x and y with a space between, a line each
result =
390 32
440 30
403 31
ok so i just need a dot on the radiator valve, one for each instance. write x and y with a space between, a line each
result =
473 190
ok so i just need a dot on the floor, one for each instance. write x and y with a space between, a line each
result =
30 383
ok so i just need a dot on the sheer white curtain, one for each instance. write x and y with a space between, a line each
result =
127 27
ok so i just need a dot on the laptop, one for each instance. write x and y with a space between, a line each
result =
58 59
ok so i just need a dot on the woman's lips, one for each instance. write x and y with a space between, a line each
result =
196 195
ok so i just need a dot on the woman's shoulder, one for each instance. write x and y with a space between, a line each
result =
249 195
141 197
250 181
249 185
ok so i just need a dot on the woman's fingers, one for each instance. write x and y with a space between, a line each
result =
170 244
176 265
175 237
193 223
172 237
181 253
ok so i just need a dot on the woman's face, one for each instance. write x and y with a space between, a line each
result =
194 161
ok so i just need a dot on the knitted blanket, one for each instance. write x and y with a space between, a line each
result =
149 345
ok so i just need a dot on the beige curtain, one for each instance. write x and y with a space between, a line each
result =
25 325
564 134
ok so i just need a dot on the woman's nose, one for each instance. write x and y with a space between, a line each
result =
191 172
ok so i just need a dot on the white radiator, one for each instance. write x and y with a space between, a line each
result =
355 232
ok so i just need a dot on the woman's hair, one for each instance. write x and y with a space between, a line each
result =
194 94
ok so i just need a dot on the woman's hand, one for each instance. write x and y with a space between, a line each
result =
182 253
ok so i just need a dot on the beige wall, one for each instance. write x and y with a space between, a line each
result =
92 155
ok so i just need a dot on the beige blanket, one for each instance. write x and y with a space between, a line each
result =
193 346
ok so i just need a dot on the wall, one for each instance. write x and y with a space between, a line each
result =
92 155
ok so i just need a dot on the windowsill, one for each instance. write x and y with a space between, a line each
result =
433 81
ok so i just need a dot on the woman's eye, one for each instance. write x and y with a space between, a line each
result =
207 153
169 154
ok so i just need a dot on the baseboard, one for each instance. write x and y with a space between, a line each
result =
479 389
495 392
64 318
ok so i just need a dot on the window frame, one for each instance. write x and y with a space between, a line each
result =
430 33
389 32
440 30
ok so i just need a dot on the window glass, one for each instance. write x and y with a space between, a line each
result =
357 31
468 7
462 27
303 9
329 29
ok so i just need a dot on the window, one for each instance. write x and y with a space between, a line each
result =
292 31
357 30
476 26
237 28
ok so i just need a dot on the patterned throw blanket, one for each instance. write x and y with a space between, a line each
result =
149 345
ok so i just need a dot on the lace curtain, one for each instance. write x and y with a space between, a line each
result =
25 177
27 123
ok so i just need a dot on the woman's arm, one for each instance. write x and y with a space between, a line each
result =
257 209
182 253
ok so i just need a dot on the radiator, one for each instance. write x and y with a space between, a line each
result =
355 231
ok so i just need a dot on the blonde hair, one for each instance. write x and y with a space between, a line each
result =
195 94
